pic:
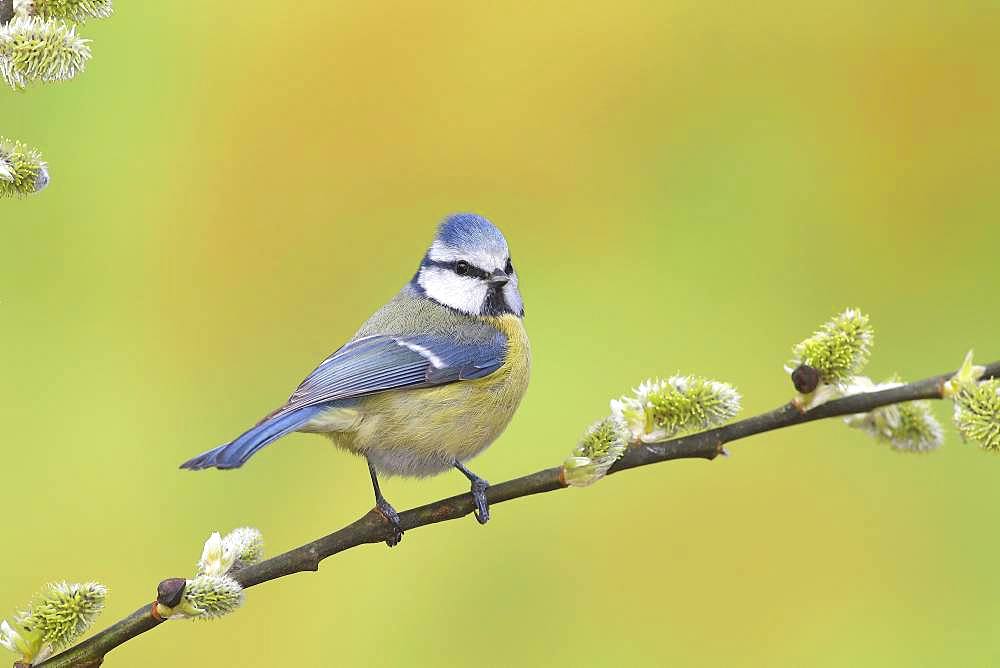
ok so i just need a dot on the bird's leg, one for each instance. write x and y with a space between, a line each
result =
479 487
388 512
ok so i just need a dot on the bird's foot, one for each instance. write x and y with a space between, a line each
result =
479 487
392 517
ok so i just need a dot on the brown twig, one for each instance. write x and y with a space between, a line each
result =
372 527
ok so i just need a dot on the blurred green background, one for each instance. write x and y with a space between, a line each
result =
686 187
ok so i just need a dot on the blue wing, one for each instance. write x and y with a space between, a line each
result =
366 366
379 363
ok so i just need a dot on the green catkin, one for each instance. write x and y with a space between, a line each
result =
62 612
213 595
839 349
22 170
35 49
71 10
977 413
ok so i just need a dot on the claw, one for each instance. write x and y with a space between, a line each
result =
388 512
392 517
479 487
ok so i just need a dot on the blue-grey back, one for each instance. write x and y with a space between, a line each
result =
410 342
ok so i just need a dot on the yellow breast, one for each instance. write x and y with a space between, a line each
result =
423 431
513 376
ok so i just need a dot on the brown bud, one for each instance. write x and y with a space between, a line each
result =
805 379
6 11
169 592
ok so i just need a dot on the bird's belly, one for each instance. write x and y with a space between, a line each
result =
423 431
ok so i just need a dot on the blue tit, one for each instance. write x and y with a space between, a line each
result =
428 382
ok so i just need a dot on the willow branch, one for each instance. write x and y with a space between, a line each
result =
373 528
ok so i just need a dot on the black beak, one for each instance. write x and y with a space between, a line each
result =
498 278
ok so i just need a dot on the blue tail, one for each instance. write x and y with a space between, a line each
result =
235 454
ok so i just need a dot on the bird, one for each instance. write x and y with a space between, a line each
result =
428 382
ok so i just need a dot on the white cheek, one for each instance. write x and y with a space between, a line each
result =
463 293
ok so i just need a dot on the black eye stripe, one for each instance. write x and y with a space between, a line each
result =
476 272
473 270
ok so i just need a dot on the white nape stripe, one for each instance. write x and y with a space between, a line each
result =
435 361
479 257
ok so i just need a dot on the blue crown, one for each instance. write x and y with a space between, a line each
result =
467 230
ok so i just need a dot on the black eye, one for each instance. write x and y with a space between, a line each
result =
509 268
461 267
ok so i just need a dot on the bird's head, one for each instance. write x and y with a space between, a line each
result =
468 268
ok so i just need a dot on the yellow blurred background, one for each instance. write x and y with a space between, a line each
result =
686 187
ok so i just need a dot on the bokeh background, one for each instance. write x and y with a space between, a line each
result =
686 187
